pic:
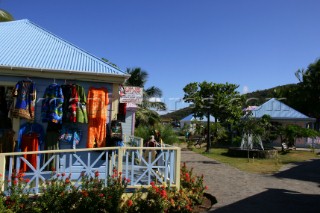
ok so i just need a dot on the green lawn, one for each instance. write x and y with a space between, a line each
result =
262 166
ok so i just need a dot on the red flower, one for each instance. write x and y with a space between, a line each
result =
152 183
101 195
27 180
206 187
63 174
163 193
85 193
172 202
187 177
67 180
189 208
15 182
129 202
96 174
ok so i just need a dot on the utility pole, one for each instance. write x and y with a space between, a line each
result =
208 107
208 132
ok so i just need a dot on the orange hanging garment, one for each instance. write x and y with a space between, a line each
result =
97 103
30 142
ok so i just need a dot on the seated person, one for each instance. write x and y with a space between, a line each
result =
151 143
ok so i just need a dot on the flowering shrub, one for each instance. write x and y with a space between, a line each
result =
96 195
193 184
16 198
154 199
59 195
165 199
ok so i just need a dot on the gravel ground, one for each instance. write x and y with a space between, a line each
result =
296 188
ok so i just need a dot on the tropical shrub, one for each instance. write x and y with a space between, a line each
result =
166 199
167 133
94 195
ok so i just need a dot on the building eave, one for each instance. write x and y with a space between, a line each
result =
63 74
294 119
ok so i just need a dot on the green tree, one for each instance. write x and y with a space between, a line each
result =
309 90
222 101
146 113
5 16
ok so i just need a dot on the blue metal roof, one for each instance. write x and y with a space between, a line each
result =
23 44
278 110
192 118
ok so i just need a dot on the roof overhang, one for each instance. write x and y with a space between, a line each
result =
294 119
279 119
64 74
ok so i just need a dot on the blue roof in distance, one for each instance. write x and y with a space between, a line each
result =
278 110
192 118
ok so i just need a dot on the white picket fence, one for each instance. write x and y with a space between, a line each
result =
142 165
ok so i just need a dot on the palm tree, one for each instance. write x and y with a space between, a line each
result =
5 16
138 77
145 114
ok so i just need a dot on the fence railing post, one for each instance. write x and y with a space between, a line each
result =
177 167
120 158
2 170
141 145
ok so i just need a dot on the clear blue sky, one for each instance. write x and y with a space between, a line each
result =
256 44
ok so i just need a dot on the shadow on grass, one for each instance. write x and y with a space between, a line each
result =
226 154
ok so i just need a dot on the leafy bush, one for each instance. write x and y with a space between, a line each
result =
193 184
167 133
59 195
94 195
166 199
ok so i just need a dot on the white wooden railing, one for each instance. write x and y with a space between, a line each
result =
139 164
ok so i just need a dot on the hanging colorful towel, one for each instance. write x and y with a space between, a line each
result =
70 135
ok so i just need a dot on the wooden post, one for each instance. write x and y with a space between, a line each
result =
2 169
178 162
115 101
120 158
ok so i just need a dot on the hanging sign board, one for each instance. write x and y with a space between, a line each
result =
131 94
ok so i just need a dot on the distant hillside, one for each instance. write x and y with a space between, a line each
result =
178 114
253 98
259 97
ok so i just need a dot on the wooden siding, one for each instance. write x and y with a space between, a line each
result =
127 126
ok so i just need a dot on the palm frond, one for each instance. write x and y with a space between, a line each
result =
153 92
5 16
